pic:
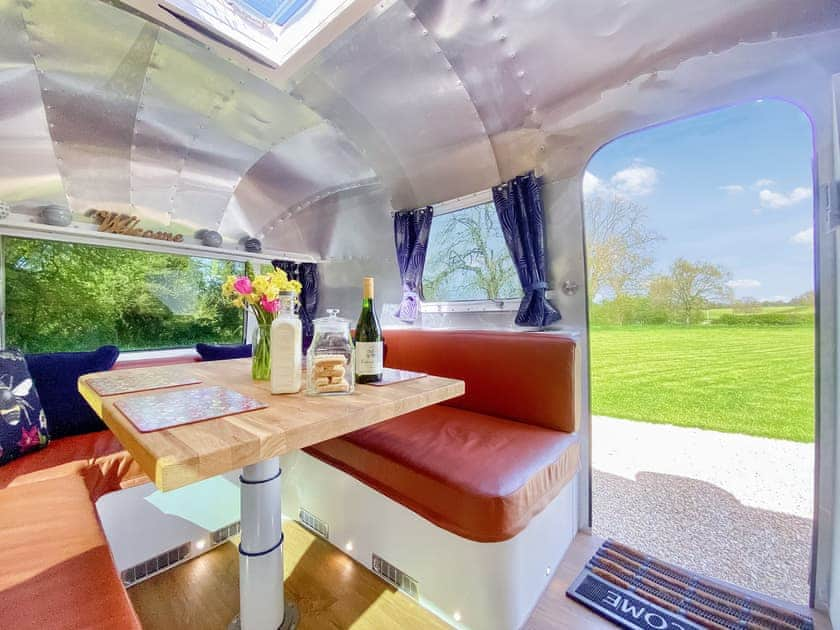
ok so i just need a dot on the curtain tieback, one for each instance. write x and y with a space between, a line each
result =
409 306
537 286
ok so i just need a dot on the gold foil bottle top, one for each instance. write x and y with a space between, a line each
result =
367 288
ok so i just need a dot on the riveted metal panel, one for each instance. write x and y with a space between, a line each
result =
317 161
28 171
90 84
389 86
206 123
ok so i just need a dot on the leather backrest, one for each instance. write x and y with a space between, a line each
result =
529 377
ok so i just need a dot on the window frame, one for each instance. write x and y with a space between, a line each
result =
489 305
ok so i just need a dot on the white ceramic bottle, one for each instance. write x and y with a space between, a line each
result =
286 342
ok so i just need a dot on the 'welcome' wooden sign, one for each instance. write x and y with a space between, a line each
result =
116 223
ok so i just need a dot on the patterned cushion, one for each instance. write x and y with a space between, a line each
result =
56 375
211 352
23 425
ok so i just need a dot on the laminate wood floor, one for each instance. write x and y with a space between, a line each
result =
333 591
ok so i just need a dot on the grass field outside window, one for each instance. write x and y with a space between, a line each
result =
751 380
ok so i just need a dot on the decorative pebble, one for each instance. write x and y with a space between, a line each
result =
56 215
253 245
211 238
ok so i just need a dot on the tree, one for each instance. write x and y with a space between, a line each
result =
691 286
806 299
63 296
618 244
470 258
747 305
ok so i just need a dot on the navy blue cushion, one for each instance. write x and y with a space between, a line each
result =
56 374
210 352
23 425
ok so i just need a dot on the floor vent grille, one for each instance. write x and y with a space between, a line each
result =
176 555
314 523
221 535
150 567
392 574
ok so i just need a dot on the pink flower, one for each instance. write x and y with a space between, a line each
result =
29 438
243 285
270 306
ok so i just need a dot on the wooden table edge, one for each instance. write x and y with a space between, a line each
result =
169 473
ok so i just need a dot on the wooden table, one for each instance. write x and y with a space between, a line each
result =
254 442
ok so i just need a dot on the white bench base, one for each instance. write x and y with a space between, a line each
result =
484 586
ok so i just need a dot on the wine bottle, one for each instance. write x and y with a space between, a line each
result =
368 339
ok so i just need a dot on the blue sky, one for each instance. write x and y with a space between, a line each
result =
732 187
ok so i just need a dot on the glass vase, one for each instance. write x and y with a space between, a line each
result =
261 362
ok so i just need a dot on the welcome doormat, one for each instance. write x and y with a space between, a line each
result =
636 591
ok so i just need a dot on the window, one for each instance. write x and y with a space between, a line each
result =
467 257
277 11
68 297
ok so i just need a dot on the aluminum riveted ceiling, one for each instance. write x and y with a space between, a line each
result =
417 102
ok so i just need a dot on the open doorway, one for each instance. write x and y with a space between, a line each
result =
701 287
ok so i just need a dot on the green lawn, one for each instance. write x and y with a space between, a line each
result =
757 381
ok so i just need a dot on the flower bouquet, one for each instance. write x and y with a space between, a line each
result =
262 296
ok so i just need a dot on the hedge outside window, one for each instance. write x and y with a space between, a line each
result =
72 297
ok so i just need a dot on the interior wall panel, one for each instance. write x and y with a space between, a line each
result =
28 169
90 85
387 73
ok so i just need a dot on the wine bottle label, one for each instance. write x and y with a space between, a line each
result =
368 358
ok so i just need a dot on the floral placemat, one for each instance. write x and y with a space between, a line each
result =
128 381
153 412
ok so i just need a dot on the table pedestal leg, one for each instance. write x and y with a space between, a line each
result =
261 600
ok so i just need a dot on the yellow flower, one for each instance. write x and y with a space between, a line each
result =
280 281
261 284
238 303
278 277
227 287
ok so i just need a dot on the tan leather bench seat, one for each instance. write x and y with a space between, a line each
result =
57 569
484 464
98 458
477 476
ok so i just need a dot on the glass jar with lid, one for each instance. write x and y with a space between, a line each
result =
329 362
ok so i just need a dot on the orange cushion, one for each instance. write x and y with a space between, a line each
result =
477 476
98 457
57 569
529 377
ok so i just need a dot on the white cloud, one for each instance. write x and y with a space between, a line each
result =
732 189
803 237
743 283
772 199
592 184
762 183
636 180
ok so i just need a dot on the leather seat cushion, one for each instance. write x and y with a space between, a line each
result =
529 377
477 476
57 569
98 457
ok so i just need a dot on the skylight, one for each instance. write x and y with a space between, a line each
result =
270 31
276 11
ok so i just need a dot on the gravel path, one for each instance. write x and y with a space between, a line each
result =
734 507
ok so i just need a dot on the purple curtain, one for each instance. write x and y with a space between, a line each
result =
411 236
519 206
307 275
